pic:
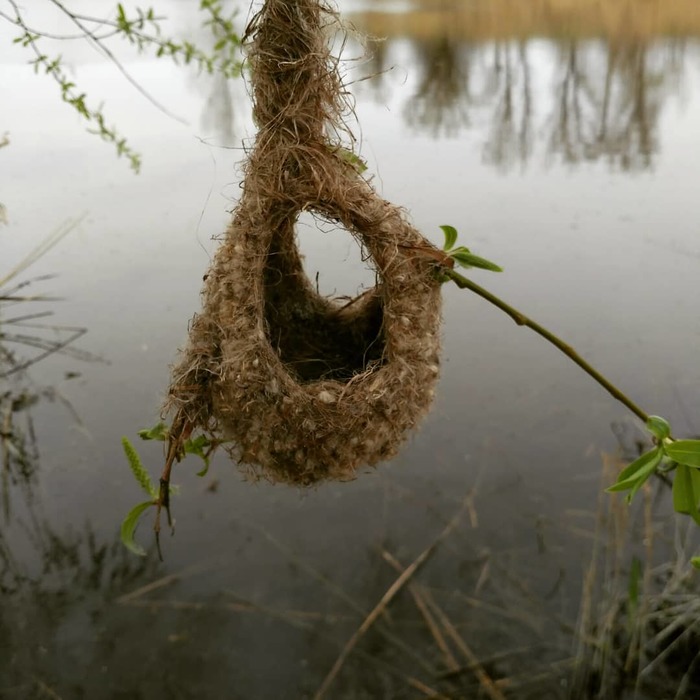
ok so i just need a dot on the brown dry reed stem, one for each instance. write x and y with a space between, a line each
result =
418 598
480 21
298 619
46 690
386 599
339 593
425 603
162 582
305 388
425 689
482 676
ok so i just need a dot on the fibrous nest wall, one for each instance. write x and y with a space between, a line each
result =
305 387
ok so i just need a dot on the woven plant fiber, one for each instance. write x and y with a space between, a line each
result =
305 387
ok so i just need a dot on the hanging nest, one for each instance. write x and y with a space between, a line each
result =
305 387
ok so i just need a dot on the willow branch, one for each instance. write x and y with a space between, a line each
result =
522 320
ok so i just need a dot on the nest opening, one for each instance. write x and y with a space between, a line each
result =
318 337
334 257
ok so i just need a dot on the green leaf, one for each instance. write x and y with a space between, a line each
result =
198 446
684 452
641 481
686 492
635 466
695 561
463 257
352 159
129 528
157 432
638 472
450 236
137 468
658 427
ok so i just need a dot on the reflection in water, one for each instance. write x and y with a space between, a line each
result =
53 581
615 115
510 136
441 103
218 114
226 105
50 578
581 100
17 443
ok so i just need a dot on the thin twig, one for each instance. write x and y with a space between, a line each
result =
46 690
343 595
42 248
391 593
50 349
98 44
522 320
179 432
163 581
6 435
422 606
483 677
425 689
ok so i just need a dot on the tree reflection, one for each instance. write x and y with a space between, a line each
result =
17 444
631 104
52 579
440 105
605 101
573 118
510 137
377 66
615 117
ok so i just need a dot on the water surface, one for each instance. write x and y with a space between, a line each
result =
569 157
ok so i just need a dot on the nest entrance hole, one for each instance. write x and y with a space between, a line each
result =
332 258
316 336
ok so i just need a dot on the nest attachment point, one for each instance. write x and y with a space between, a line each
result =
305 387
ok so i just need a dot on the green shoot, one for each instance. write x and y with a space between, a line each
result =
141 475
157 432
462 255
658 427
633 477
684 452
128 528
668 455
141 29
138 470
686 491
201 446
351 158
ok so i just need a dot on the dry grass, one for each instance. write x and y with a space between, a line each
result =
638 632
483 20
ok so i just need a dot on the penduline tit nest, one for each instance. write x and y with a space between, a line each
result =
304 387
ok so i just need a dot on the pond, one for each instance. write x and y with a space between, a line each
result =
562 140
